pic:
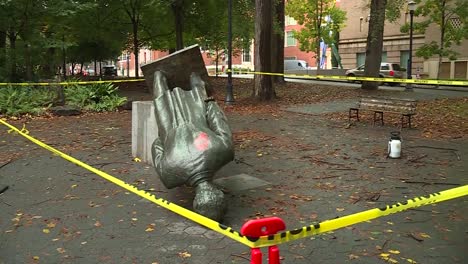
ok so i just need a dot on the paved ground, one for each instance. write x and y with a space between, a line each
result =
318 169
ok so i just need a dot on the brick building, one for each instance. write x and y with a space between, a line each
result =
353 37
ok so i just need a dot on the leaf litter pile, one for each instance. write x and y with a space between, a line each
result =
441 118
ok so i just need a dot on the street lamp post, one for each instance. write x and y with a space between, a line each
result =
411 7
229 96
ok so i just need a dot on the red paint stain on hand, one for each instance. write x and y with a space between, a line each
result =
202 142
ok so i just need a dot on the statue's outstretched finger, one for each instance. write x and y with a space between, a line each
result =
217 122
159 85
198 87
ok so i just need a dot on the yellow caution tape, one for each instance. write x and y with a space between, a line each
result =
302 76
69 83
330 225
263 241
200 219
372 79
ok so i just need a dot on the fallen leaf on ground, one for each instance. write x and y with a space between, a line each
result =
184 254
424 235
150 228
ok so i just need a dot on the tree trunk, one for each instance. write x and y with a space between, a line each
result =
13 73
374 43
442 36
3 37
136 48
277 42
48 66
263 89
28 62
95 67
73 64
319 7
64 59
216 62
335 61
177 6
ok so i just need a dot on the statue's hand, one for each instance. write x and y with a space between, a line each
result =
194 137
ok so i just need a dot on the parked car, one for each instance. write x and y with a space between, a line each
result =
387 70
90 72
109 70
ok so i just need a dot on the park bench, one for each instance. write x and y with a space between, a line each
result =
380 105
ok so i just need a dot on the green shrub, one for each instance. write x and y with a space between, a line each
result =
19 100
98 97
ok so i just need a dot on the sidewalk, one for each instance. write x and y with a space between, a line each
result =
316 169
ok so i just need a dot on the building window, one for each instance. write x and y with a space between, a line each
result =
404 57
123 57
384 56
246 56
360 58
456 22
290 40
289 21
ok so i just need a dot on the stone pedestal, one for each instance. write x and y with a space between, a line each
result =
144 130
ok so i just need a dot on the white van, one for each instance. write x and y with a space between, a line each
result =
295 65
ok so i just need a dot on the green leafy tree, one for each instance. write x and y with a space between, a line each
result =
313 15
150 24
20 21
393 9
102 36
214 37
451 17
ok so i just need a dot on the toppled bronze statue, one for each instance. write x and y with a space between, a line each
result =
194 141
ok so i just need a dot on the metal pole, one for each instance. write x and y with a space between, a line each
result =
229 96
409 86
